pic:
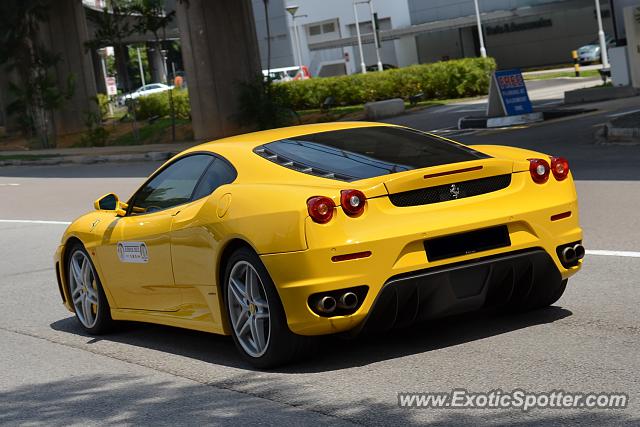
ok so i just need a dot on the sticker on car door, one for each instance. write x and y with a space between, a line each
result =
135 252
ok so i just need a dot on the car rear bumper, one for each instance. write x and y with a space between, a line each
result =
395 238
442 291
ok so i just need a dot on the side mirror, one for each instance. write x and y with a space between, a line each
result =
110 202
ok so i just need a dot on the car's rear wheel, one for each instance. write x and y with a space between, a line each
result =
537 297
256 316
550 295
87 296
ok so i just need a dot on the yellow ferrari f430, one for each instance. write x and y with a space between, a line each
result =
278 236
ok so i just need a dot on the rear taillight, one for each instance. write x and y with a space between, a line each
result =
559 168
539 169
320 209
352 202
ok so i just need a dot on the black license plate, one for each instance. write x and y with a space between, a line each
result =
467 243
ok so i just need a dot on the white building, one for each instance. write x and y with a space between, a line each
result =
332 21
518 33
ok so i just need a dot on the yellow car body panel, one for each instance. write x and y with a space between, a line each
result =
265 207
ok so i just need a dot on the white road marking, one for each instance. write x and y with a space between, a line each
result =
11 184
614 253
623 113
33 221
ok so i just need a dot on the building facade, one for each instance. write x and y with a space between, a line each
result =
518 33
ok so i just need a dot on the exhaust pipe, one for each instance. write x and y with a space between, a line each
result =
326 304
579 251
569 254
348 301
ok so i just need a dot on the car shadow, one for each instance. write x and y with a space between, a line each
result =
334 352
111 399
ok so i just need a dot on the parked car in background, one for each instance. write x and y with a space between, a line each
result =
384 67
590 53
144 91
286 74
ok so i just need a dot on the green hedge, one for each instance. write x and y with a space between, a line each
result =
158 105
450 79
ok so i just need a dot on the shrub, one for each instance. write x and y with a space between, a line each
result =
158 105
451 79
103 104
263 104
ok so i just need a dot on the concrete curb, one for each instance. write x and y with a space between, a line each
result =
536 117
596 94
154 156
618 135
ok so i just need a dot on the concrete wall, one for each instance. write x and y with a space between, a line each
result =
400 52
65 33
633 43
219 49
543 39
281 47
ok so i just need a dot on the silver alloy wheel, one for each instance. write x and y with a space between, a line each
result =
83 288
249 309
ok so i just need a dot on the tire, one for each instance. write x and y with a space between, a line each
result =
89 302
256 316
552 295
536 298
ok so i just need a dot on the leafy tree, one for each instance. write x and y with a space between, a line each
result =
113 26
36 92
151 16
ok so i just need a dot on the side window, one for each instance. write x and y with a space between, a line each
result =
171 187
218 173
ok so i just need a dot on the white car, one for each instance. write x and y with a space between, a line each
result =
145 90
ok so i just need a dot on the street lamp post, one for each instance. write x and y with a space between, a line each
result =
483 51
140 66
363 66
603 43
296 36
375 35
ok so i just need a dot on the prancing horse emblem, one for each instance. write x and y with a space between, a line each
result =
454 190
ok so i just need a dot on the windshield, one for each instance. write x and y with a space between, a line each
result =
352 154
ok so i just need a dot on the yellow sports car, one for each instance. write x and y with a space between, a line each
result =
278 236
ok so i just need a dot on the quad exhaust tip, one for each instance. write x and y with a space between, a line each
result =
326 304
348 301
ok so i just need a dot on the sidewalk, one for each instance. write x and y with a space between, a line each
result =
88 155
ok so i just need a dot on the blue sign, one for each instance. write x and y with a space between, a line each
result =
513 92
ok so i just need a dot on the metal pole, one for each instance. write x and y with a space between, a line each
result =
375 36
299 49
104 73
141 67
483 51
355 14
603 44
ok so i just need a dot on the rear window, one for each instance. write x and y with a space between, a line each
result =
353 154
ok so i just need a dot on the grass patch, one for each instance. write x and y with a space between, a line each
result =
560 74
152 133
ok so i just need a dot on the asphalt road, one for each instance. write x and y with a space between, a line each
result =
51 373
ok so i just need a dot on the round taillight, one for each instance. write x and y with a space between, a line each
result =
540 170
320 209
559 168
352 202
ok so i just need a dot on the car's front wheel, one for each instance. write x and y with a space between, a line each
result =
87 296
256 316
